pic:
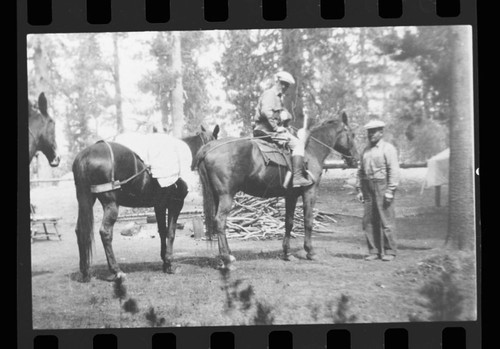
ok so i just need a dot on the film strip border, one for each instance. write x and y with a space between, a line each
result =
148 14
108 15
428 336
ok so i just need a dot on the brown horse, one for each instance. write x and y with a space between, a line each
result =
42 132
228 166
125 180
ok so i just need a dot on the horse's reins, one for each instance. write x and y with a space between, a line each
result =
266 136
233 141
325 145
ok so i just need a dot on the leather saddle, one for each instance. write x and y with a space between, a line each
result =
272 151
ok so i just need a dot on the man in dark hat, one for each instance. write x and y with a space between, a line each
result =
378 178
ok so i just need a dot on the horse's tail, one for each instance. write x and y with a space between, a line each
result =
85 222
210 203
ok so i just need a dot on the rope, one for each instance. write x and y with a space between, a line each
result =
250 138
233 141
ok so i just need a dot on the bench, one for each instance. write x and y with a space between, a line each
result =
42 221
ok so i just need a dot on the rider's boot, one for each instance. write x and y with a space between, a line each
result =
298 172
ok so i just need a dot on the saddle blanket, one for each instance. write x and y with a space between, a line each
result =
272 153
169 158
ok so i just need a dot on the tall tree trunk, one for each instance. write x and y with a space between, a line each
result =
41 69
177 95
461 225
292 63
118 89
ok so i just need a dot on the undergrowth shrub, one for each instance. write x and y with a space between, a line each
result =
120 292
153 319
242 300
443 299
340 314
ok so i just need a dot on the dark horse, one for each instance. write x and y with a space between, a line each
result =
228 166
42 132
136 188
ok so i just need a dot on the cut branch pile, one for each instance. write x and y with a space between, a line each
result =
256 218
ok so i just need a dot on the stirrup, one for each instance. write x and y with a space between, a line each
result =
302 182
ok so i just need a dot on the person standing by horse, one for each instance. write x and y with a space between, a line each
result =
272 118
378 179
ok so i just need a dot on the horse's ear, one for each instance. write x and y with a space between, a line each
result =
216 131
202 128
344 118
42 104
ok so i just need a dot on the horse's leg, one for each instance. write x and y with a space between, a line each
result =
225 205
309 200
175 202
85 229
161 221
174 210
110 214
290 204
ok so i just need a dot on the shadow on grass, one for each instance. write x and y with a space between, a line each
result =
101 271
416 248
356 256
40 272
252 255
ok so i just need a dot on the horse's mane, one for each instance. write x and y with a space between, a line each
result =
322 125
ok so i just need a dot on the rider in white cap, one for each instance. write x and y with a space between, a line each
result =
272 118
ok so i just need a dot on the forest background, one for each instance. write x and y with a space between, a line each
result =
102 84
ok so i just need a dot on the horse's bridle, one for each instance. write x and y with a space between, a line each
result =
326 145
31 133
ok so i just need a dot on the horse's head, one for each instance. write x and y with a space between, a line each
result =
196 142
336 134
43 130
345 144
207 136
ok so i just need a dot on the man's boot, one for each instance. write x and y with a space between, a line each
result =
298 172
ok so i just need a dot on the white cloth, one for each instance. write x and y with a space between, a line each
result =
170 158
438 168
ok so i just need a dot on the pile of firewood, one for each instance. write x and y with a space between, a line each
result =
257 218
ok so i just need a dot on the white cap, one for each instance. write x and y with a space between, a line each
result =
374 124
286 77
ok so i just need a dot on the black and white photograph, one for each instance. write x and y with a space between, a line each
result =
289 176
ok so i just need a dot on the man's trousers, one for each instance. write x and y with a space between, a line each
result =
378 219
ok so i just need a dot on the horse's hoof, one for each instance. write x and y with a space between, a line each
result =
170 269
114 277
311 257
224 265
289 258
120 275
85 279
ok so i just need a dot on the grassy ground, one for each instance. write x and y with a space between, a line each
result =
296 292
